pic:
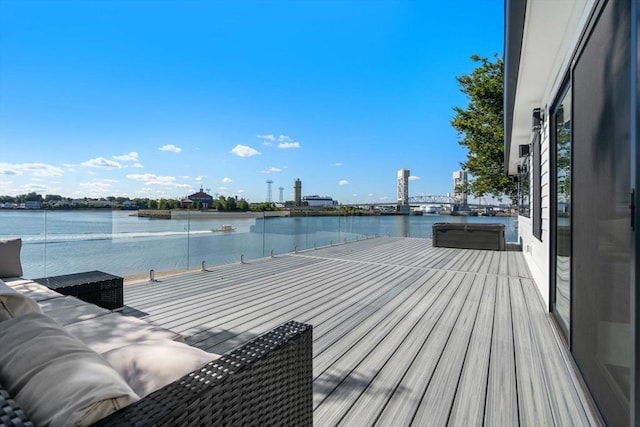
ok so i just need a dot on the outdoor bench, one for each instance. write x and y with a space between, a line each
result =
487 236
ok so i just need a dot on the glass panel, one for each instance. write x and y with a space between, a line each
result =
601 331
562 280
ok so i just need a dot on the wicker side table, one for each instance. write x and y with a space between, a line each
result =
96 287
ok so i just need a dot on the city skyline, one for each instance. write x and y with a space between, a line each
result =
120 99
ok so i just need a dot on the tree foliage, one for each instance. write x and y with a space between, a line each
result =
480 128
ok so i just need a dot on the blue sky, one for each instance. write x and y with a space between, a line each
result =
158 98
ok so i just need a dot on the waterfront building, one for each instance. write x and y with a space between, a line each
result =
571 133
206 201
318 201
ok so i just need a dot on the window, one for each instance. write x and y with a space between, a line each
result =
524 206
537 187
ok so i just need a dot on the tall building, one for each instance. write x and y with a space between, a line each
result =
403 191
297 192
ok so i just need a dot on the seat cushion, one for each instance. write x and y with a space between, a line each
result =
114 330
33 290
66 310
150 365
10 265
14 304
55 378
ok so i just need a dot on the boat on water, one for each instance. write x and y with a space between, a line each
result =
432 209
226 228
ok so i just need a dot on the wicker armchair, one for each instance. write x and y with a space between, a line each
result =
267 381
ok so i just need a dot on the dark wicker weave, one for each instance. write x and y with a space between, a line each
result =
10 413
267 381
95 287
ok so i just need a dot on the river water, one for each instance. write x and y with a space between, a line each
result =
62 242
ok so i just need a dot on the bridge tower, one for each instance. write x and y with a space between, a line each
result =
403 191
281 199
460 188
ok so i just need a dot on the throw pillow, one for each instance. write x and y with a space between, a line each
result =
150 365
56 379
10 265
14 304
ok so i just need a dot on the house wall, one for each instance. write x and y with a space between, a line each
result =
537 252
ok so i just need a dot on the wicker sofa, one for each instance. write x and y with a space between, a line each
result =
267 381
264 382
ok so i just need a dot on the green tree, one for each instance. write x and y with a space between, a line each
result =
480 128
243 205
231 204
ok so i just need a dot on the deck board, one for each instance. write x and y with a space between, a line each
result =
404 333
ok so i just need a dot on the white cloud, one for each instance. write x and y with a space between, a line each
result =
33 169
38 188
291 144
272 170
199 178
137 165
240 191
171 147
100 187
343 182
102 163
7 171
337 164
413 178
266 139
131 157
284 138
227 180
223 189
153 179
244 151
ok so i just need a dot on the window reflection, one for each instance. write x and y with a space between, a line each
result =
562 269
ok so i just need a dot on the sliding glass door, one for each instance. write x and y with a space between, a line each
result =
593 200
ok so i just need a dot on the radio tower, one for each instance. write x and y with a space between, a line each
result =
281 196
269 182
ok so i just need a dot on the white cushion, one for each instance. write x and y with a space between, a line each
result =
14 304
114 330
150 365
33 290
57 380
10 265
66 310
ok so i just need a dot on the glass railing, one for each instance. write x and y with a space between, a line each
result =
125 244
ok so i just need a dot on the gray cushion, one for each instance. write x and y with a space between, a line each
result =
56 379
66 310
10 265
150 365
14 304
33 290
114 330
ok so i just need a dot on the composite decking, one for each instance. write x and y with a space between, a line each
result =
404 333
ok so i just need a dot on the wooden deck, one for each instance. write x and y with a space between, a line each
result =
404 333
